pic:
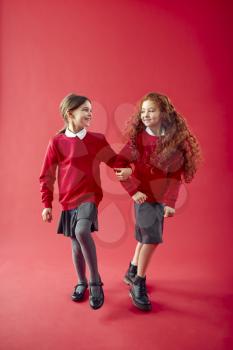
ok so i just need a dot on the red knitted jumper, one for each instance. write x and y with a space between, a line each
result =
77 162
158 185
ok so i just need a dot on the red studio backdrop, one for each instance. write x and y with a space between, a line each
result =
114 52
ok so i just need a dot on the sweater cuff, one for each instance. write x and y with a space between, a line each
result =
170 203
132 192
47 204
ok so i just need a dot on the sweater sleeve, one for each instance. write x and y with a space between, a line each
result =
125 160
173 187
48 175
131 185
107 154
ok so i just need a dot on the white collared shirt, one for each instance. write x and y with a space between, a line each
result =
80 134
150 132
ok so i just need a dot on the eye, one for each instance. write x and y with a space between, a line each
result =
86 110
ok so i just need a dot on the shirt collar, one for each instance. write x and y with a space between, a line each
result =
80 134
150 132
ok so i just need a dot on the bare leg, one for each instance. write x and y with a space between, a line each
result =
144 258
134 261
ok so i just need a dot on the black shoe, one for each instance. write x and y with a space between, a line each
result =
130 274
79 291
96 298
139 295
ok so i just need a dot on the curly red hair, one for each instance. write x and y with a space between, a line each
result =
178 148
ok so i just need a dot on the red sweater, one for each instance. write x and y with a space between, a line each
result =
78 174
158 185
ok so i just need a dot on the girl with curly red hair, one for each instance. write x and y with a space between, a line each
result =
164 152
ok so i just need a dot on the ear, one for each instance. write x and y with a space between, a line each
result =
69 114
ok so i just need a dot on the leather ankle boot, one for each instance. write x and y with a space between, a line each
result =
130 274
139 295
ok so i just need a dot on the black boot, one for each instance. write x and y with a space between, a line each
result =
79 291
139 295
130 274
96 298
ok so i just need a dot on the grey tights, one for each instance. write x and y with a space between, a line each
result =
84 251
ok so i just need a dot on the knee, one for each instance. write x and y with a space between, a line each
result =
150 246
82 230
75 245
154 245
80 234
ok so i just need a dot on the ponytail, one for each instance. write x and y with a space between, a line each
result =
62 131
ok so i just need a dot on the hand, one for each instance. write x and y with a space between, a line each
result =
47 215
168 211
139 197
122 174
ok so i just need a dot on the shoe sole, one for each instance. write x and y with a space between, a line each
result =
139 306
127 281
77 300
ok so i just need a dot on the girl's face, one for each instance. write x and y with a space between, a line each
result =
81 116
150 114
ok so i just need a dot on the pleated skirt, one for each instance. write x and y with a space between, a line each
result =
69 218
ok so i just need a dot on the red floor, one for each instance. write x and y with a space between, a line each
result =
190 311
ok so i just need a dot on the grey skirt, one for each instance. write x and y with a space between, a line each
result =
149 219
69 218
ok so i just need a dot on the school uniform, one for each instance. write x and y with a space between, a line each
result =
161 187
76 158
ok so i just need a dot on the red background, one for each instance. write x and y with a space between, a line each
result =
114 52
